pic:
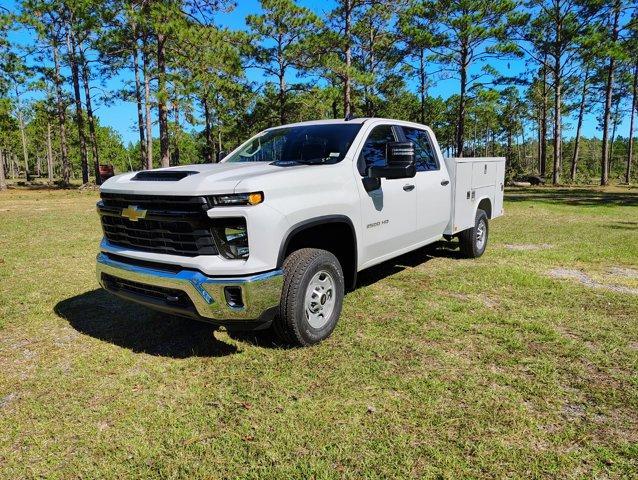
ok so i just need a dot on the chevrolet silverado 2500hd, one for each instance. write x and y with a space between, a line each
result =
277 231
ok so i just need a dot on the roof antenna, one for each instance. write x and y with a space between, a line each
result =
349 117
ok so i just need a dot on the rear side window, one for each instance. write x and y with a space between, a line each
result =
424 153
373 152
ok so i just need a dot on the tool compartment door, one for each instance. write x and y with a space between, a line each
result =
463 216
474 179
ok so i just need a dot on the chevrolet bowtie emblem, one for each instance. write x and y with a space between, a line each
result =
133 213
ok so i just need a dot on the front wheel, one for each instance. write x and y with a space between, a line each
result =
311 297
474 240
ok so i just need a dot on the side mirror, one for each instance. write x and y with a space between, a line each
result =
221 154
401 162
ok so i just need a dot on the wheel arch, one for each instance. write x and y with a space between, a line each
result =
485 204
321 232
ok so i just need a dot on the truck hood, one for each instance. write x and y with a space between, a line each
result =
208 179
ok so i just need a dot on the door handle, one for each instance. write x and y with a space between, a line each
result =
444 182
408 188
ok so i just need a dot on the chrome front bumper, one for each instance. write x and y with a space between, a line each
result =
260 293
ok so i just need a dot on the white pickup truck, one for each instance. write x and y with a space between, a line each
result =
275 233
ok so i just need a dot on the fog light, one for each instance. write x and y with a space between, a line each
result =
231 237
234 297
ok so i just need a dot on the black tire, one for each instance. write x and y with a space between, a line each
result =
292 324
473 241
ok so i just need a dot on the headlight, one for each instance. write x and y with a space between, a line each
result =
232 199
231 237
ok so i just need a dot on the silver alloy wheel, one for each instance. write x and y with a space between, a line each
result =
481 234
320 299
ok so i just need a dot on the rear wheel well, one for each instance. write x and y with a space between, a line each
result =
486 205
335 236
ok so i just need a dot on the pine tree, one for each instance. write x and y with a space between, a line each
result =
416 30
632 46
472 32
556 33
279 33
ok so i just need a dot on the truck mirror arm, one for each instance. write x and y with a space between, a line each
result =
403 170
371 183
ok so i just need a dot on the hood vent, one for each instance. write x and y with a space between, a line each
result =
162 176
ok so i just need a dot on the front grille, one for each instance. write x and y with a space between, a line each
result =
157 202
171 225
159 295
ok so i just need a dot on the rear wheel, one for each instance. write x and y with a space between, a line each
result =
473 241
311 297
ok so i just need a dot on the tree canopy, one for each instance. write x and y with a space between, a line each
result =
200 87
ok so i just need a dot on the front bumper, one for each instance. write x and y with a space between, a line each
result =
222 300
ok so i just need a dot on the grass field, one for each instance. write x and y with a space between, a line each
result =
521 364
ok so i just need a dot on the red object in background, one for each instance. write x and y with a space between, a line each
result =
106 172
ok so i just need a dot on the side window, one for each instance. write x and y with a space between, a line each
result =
373 152
425 156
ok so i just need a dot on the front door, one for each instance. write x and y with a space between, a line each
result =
433 188
388 213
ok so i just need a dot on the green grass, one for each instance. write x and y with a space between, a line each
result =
439 367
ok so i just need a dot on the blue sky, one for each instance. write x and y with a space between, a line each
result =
121 116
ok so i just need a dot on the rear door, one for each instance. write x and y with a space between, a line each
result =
388 213
433 189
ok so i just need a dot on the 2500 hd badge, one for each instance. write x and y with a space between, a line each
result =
377 224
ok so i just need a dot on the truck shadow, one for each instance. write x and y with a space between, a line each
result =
369 276
407 260
573 196
103 316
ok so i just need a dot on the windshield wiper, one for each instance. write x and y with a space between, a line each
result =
314 161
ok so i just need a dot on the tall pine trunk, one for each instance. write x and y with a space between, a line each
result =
208 134
581 114
543 132
64 154
348 54
282 98
508 155
523 158
147 106
176 135
25 150
422 85
12 172
634 107
49 154
3 181
558 103
609 85
369 89
538 140
614 123
138 99
220 147
161 100
460 120
281 75
89 115
79 117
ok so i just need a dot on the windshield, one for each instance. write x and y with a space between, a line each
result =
312 144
